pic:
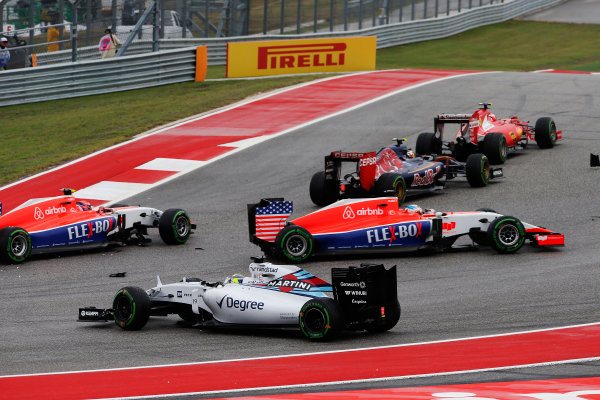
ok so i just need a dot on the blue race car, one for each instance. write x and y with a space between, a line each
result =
393 171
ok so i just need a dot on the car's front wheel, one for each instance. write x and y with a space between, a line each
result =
477 170
131 308
506 234
174 226
15 245
495 148
545 133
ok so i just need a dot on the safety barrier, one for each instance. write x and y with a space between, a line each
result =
175 62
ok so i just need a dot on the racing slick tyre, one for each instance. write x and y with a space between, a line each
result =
495 148
322 193
477 169
294 243
392 316
15 245
506 234
391 184
321 319
545 133
428 144
131 308
174 226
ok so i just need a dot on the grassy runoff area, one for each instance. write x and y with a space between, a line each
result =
38 136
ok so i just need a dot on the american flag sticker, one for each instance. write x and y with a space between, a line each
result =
271 219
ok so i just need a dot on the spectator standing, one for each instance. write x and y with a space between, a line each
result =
52 35
4 53
108 44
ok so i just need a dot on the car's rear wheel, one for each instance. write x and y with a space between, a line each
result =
506 234
15 245
391 184
322 192
174 226
294 243
477 169
495 148
131 308
545 133
428 144
321 319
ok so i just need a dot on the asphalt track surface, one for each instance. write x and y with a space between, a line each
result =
444 296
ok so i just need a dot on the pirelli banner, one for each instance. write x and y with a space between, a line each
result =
278 57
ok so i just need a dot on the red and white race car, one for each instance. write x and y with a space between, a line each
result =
482 132
67 223
379 225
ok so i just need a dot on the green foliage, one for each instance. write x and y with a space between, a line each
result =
41 135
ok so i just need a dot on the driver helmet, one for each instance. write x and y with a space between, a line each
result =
237 278
410 154
84 206
413 208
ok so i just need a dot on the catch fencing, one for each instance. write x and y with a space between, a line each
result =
175 62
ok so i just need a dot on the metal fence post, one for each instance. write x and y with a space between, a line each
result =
331 5
265 14
424 9
401 7
282 18
155 27
447 7
298 15
316 16
412 10
345 15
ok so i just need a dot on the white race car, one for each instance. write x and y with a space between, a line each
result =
273 296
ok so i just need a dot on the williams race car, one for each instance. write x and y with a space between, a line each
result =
380 226
482 132
393 171
66 223
273 296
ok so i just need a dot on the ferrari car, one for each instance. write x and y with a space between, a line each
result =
67 223
380 225
393 171
272 297
482 132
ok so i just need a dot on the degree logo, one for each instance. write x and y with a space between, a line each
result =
348 213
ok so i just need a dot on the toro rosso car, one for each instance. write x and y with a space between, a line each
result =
393 171
482 132
380 225
66 223
273 296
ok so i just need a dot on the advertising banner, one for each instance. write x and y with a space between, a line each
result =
279 57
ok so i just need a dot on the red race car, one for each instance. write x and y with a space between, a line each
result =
66 223
357 226
483 133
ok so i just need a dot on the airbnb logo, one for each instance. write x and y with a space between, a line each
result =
39 214
348 213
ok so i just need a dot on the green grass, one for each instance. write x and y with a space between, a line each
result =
38 136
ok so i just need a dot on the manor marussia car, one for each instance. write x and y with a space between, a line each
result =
67 223
381 225
272 297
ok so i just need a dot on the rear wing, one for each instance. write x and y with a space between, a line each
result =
266 218
441 119
366 292
366 166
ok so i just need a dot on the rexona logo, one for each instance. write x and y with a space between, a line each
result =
88 229
301 55
242 305
290 284
394 232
